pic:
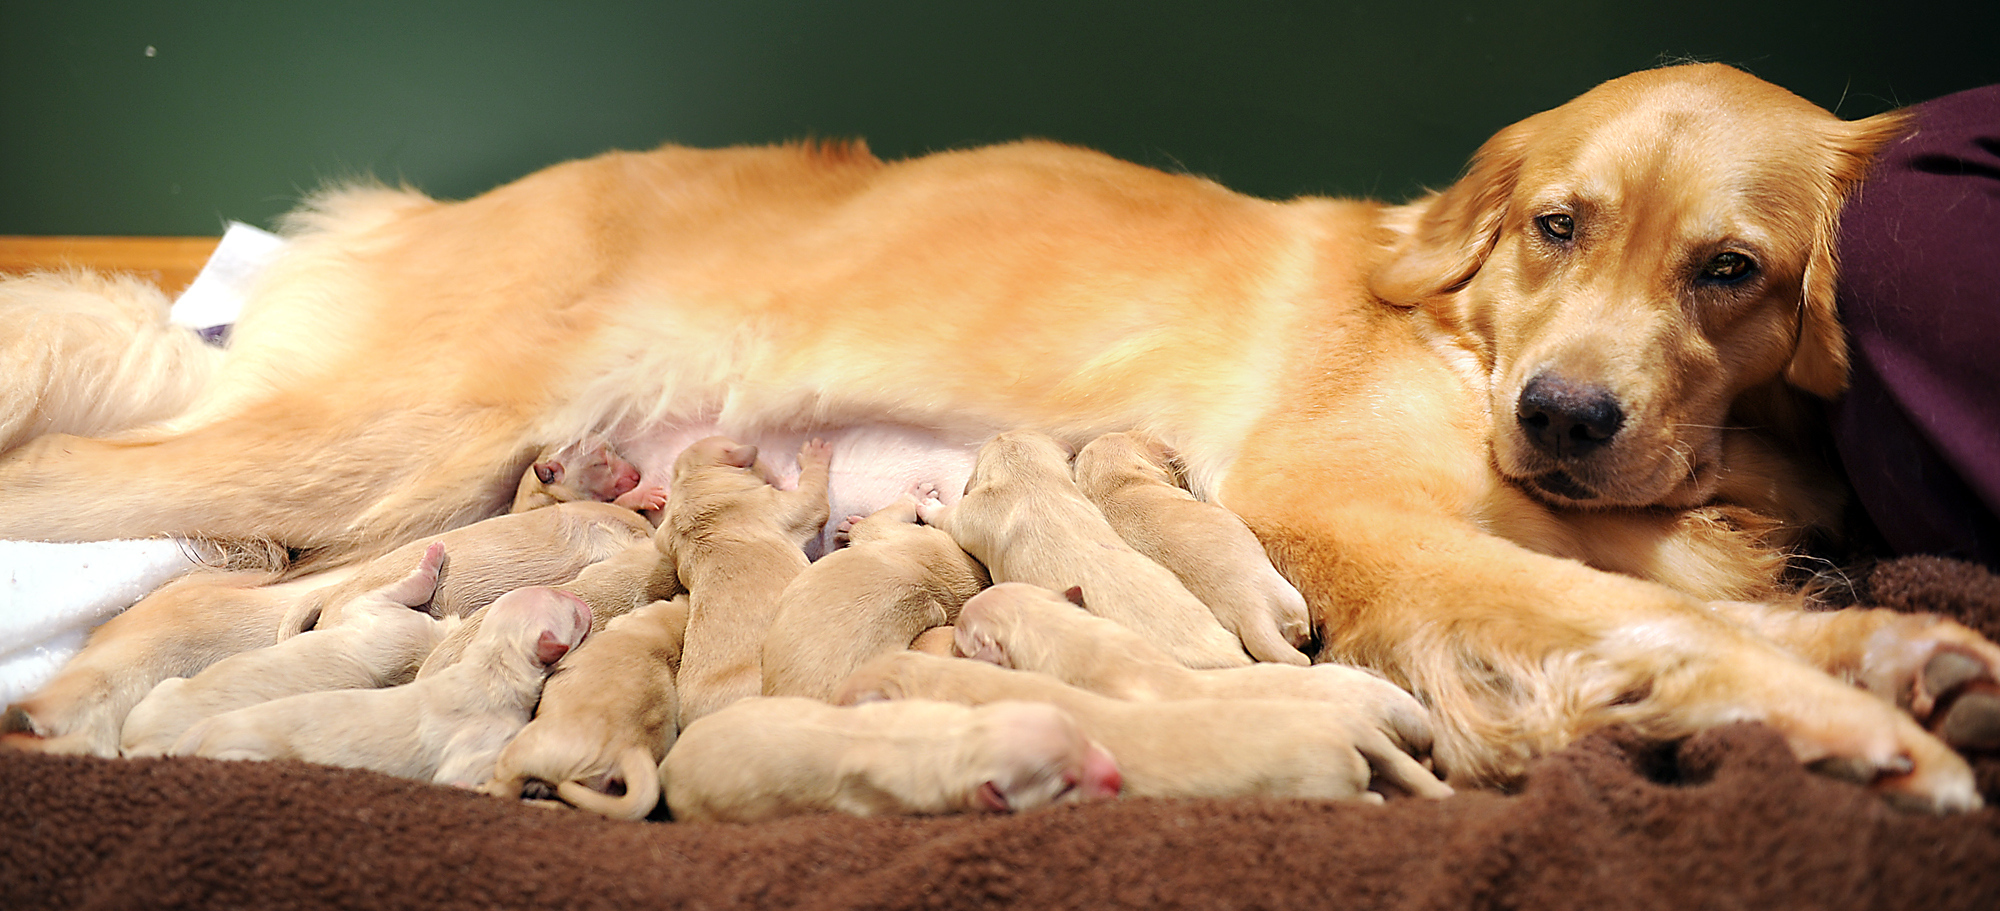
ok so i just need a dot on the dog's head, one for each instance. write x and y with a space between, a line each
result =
1624 266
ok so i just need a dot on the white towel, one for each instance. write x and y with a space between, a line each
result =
52 595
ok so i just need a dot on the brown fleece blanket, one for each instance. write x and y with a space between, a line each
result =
1726 819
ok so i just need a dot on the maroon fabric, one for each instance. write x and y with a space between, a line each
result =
1725 820
1919 430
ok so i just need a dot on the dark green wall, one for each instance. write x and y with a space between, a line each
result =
239 107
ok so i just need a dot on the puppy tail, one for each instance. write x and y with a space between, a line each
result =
642 789
92 355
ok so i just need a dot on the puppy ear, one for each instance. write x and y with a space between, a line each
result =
980 647
991 799
742 456
1456 229
549 648
548 472
1074 595
1819 362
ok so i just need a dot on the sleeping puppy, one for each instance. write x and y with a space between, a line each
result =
1132 480
766 757
1190 748
588 469
382 638
627 580
447 728
607 715
181 628
895 580
1025 519
735 541
201 618
1029 628
490 558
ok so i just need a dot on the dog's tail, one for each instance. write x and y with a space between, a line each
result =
642 789
92 355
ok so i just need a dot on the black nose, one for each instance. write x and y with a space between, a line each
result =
1566 419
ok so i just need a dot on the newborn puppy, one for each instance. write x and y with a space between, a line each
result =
735 541
1024 517
624 573
492 557
1189 748
1030 628
588 469
607 715
1215 555
447 728
893 581
381 639
181 628
768 757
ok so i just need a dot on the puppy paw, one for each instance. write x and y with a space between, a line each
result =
815 453
843 533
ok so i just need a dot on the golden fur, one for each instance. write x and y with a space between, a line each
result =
1344 375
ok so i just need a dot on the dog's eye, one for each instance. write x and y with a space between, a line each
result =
1728 268
1557 227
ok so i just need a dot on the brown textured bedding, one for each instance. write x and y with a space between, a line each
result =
1725 820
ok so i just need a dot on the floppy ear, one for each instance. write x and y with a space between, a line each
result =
741 456
1819 362
549 648
548 472
1456 229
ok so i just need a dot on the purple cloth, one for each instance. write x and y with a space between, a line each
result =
1919 428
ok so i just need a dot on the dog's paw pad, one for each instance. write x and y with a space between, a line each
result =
1970 720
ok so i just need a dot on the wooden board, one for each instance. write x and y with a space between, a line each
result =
170 262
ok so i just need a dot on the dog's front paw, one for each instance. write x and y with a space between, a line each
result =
1945 675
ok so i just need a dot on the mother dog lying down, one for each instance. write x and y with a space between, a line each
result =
1483 433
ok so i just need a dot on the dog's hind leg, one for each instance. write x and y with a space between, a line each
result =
309 477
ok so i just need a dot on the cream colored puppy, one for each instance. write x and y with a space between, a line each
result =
181 628
735 541
382 638
1132 480
632 578
768 757
606 716
894 580
586 469
1024 517
1189 748
447 728
1029 628
492 557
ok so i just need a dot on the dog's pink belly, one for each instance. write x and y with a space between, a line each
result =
873 464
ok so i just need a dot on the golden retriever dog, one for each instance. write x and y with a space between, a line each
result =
1512 441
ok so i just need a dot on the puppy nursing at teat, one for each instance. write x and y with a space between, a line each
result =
735 541
894 580
1024 518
